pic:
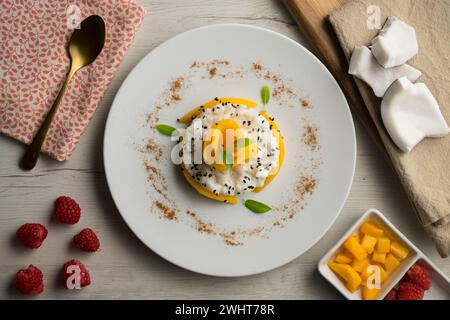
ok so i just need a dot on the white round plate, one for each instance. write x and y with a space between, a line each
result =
178 242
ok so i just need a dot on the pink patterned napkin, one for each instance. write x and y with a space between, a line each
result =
34 61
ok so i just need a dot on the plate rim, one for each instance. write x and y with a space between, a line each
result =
306 51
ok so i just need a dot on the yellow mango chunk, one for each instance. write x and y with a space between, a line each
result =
383 245
223 137
205 192
391 263
342 258
352 288
351 277
378 257
371 230
188 117
355 248
278 135
368 242
360 265
366 274
370 294
399 251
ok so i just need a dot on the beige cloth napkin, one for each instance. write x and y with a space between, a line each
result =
425 171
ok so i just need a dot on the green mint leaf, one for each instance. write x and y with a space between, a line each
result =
256 206
242 143
265 95
165 129
228 160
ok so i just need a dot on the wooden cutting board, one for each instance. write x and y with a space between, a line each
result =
312 18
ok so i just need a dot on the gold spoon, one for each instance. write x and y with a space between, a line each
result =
85 45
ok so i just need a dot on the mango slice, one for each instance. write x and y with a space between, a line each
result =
366 274
346 272
398 250
378 257
224 137
359 265
194 113
368 242
355 248
275 171
371 230
391 263
205 192
342 258
383 245
370 294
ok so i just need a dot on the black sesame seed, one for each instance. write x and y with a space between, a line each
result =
217 99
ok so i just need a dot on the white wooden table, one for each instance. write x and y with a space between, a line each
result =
125 268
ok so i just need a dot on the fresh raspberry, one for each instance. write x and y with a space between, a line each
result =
32 234
67 210
392 295
419 275
30 280
87 240
410 291
69 278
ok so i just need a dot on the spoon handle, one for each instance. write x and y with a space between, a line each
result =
31 156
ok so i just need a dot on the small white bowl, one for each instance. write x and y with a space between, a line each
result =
440 283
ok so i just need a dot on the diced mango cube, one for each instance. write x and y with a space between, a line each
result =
370 270
371 230
352 288
398 250
383 245
378 257
351 277
355 248
391 263
360 265
342 258
370 294
368 242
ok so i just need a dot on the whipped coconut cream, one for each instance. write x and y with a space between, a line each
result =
244 177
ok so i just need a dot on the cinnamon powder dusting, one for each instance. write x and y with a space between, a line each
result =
305 103
310 136
200 225
157 180
152 148
166 212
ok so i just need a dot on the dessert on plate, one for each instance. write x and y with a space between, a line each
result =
230 148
